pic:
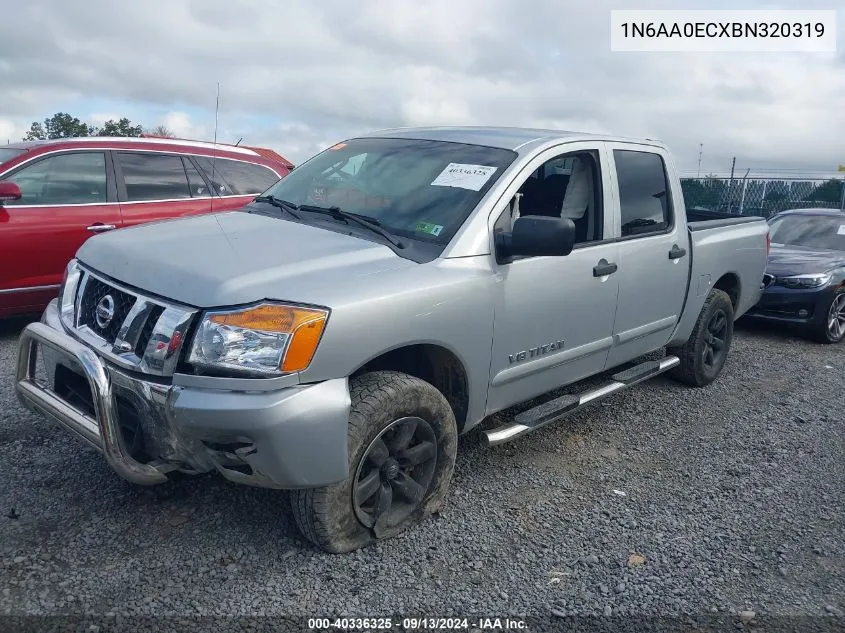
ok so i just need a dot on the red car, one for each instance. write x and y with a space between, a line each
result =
56 194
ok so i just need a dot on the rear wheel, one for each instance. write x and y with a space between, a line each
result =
703 356
832 329
402 445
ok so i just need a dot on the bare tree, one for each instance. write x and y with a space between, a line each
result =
161 130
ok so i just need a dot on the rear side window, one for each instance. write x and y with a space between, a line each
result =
643 192
198 187
78 178
153 177
235 177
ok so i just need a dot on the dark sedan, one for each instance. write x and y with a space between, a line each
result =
805 277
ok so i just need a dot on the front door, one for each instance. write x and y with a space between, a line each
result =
652 285
554 315
67 198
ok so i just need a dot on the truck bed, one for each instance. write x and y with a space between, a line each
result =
699 219
728 251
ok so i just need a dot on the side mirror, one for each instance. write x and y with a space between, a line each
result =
536 236
9 191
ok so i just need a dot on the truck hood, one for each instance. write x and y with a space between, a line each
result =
232 258
799 260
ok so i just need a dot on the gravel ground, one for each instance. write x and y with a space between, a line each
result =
733 502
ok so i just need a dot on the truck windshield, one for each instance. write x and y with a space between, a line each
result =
417 189
813 230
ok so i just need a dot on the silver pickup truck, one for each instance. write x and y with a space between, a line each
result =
337 335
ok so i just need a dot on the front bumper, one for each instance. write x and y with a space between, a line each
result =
802 307
294 437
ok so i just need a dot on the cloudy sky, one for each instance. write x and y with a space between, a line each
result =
298 76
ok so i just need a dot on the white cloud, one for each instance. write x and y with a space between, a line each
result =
11 131
299 76
181 125
99 119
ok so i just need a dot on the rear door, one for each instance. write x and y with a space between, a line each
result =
652 283
156 186
67 197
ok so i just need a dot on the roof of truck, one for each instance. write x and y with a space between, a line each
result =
512 138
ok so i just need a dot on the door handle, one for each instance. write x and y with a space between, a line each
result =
604 268
99 228
677 252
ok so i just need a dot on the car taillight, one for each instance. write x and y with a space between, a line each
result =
768 243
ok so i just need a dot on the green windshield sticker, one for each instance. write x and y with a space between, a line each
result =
431 229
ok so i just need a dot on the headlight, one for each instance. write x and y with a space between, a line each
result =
270 338
805 281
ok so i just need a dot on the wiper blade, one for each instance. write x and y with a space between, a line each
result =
368 223
290 207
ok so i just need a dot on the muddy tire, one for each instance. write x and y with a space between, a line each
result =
402 444
703 356
832 328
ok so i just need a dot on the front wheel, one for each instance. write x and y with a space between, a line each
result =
832 328
703 355
402 445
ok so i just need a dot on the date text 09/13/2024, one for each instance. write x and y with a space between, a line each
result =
416 624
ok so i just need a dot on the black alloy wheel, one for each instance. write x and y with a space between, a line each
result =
395 474
714 340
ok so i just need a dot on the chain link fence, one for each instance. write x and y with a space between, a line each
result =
762 196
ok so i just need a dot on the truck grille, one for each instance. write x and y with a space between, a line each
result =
133 330
147 330
120 302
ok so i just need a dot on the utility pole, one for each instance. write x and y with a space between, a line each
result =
744 187
731 185
700 148
842 197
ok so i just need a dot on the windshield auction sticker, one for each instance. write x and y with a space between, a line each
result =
431 229
470 177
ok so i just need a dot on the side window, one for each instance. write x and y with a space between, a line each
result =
211 169
346 170
354 164
153 177
567 186
77 178
237 178
563 165
195 181
643 192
